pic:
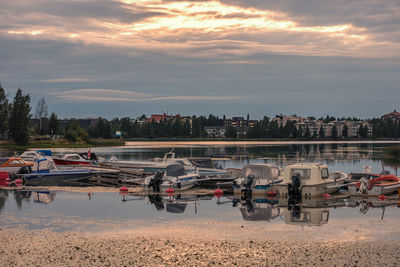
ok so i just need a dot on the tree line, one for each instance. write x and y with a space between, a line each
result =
15 119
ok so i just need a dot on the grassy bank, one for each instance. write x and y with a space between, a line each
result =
62 143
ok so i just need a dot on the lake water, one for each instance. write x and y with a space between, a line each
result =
61 210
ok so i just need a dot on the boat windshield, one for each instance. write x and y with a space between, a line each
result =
3 160
304 173
261 172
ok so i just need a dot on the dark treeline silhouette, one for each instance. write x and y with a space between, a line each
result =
15 125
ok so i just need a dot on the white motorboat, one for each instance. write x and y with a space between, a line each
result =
204 167
309 180
256 179
375 186
174 177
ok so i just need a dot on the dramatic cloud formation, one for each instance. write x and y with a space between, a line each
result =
285 56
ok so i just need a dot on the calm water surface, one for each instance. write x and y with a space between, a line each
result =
61 210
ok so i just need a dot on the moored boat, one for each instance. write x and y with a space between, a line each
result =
13 164
76 159
257 179
309 180
45 172
377 185
174 177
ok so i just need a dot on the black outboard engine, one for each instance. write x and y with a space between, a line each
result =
157 201
248 182
294 188
155 182
25 170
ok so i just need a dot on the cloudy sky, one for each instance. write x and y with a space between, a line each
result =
233 57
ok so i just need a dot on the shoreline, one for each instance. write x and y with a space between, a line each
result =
177 248
247 142
6 145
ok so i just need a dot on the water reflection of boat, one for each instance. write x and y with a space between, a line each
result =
174 177
312 211
260 209
308 180
256 179
44 197
298 215
176 203
365 203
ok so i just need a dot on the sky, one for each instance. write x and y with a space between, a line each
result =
122 58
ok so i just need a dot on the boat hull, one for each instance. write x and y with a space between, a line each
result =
55 178
70 162
314 190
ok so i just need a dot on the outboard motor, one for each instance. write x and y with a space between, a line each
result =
248 182
157 201
24 170
155 182
363 186
294 188
295 211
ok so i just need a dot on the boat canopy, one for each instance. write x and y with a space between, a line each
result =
43 165
309 173
45 152
264 171
175 170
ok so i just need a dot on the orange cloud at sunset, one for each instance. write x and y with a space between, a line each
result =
178 26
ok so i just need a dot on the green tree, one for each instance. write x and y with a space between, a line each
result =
345 131
321 132
4 110
74 133
307 133
230 132
53 125
186 128
334 133
19 118
41 113
196 127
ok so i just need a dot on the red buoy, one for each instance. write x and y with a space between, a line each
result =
272 193
326 195
170 190
8 180
18 182
382 197
123 189
218 193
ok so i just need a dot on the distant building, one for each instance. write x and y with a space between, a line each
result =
162 117
392 115
282 120
215 131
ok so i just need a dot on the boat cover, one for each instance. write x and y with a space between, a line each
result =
175 170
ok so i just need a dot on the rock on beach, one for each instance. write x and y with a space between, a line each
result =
47 248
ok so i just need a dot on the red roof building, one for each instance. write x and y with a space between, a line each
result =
162 117
392 115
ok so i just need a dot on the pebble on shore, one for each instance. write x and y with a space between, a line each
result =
46 248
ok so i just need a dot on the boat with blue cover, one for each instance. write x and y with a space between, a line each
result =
45 172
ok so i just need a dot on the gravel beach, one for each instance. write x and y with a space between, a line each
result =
180 247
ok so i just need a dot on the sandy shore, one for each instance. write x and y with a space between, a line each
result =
45 248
